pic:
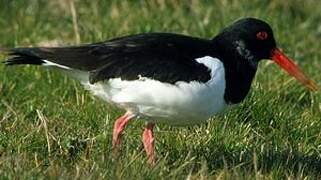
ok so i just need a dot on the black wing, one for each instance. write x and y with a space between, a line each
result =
160 56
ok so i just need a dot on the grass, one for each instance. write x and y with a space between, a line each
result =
51 127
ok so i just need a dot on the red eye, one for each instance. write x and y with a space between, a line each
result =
262 35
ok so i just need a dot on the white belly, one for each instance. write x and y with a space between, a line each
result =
179 104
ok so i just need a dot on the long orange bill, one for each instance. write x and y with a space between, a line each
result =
288 65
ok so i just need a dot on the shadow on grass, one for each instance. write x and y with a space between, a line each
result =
251 160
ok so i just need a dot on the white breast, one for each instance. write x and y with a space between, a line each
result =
179 104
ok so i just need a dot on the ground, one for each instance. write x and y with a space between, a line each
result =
50 126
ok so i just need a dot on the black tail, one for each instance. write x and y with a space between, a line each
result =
22 56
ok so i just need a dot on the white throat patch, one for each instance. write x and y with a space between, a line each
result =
241 49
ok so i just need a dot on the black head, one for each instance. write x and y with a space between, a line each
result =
250 38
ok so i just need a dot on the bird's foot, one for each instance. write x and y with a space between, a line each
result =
148 141
119 126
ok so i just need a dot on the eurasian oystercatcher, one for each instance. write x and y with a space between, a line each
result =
167 78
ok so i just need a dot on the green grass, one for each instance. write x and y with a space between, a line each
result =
274 134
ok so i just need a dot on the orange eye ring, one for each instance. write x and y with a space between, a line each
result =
262 35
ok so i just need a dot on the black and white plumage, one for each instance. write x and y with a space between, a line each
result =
166 77
160 75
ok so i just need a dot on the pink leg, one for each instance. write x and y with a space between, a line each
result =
148 141
119 126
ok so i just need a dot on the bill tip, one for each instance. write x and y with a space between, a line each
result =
312 85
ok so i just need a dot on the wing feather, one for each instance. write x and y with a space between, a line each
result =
161 56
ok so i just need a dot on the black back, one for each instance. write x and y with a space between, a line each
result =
165 57
161 56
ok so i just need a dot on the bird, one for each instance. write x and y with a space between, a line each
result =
167 78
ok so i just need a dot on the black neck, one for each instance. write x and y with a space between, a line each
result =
239 73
